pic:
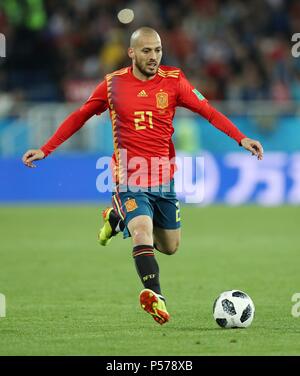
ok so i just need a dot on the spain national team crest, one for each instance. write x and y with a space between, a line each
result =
162 100
131 205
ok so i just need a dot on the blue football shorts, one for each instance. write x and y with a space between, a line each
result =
159 203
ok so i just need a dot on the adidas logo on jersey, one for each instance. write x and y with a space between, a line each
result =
142 94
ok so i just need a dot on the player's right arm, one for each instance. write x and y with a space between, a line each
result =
96 104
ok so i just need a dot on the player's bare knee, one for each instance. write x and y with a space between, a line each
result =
141 235
170 250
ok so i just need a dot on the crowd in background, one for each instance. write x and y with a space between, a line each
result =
229 49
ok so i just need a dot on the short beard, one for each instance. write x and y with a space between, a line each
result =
144 72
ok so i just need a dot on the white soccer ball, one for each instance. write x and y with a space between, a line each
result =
233 309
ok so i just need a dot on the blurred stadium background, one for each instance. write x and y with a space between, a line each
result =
237 54
63 292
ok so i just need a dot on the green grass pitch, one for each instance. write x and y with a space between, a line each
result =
68 296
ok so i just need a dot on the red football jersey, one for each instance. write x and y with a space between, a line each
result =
142 115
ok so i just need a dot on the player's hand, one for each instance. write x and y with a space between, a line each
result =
254 146
32 155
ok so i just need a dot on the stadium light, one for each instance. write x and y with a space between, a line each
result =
2 45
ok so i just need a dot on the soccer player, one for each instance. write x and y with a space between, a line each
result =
142 100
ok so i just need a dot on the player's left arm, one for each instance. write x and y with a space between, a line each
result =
190 98
254 146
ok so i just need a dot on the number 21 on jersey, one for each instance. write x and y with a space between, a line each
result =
143 117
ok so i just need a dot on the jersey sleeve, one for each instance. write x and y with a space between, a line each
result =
95 105
98 99
191 98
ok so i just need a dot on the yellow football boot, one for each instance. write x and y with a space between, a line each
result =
154 305
106 232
